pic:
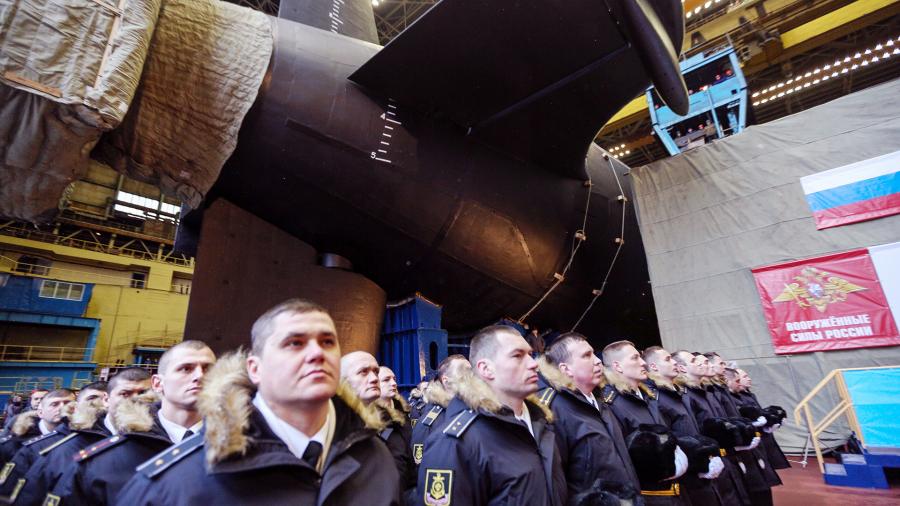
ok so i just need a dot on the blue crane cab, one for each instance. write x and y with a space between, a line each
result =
718 102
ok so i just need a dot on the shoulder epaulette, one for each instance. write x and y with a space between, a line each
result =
386 433
458 425
432 415
170 456
609 394
5 438
39 438
546 396
98 448
48 449
647 389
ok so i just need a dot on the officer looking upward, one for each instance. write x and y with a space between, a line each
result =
277 428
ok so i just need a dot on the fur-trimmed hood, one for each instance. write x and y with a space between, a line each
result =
618 382
24 422
226 406
399 400
437 394
388 413
684 381
554 377
86 415
663 383
477 395
136 414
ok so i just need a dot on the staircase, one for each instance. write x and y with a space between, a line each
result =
870 401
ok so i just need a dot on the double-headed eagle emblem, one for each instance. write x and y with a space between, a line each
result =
817 288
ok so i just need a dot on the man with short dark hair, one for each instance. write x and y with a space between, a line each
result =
85 426
141 427
498 445
277 428
36 397
636 408
662 371
589 438
14 406
437 395
760 476
12 478
707 410
34 402
44 420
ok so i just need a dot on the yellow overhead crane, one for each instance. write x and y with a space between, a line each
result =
820 30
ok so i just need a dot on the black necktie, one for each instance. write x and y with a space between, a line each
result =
188 433
312 453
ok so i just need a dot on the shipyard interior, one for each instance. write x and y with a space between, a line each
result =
436 252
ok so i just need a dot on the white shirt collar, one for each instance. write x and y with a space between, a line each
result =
526 418
175 431
107 422
296 440
591 400
42 426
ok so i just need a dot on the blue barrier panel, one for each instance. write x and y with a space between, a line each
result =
876 399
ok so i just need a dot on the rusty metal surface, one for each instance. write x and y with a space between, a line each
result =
245 266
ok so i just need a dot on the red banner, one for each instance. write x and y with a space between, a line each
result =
828 303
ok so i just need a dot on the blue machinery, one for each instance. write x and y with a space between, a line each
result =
412 343
718 103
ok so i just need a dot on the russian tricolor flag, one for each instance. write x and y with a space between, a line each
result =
857 192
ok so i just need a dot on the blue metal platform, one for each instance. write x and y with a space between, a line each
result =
864 471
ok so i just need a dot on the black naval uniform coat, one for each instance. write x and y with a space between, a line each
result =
431 419
705 406
397 436
589 439
358 470
15 469
633 411
773 451
756 461
680 420
485 456
55 459
25 427
102 469
238 460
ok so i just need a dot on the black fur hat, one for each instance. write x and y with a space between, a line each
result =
608 493
748 431
750 412
652 450
724 431
698 449
776 414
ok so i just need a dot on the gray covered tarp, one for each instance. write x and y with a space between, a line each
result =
68 70
172 79
710 215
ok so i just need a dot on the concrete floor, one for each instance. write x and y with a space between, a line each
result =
805 487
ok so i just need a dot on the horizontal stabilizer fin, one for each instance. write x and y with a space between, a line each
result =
534 79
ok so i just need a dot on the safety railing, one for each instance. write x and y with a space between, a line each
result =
22 353
24 385
803 413
37 235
